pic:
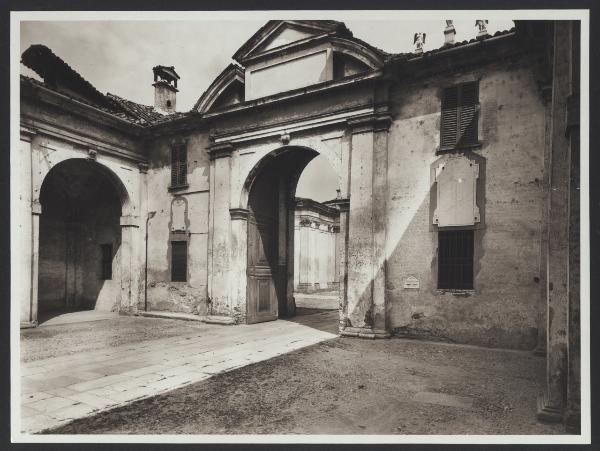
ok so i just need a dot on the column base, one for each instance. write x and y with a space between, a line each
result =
364 332
548 413
28 324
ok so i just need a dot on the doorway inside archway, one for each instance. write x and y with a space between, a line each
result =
80 240
292 226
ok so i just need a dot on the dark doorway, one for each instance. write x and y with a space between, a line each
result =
79 241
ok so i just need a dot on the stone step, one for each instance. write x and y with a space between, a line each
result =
172 315
209 319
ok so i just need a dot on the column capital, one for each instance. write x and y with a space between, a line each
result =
27 133
220 150
239 214
129 221
36 207
143 167
374 122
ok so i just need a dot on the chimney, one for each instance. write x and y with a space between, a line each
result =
449 33
165 88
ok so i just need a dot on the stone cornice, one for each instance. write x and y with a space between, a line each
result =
220 150
39 127
343 204
73 106
370 123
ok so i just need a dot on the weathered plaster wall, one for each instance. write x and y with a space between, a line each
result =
502 309
188 205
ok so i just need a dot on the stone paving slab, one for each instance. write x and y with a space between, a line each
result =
59 389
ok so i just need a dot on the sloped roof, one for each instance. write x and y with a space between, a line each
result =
60 77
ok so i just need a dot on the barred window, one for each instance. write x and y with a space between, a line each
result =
179 261
179 165
460 114
106 262
455 259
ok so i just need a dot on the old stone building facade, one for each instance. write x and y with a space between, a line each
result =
449 223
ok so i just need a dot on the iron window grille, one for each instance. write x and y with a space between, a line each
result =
455 259
179 259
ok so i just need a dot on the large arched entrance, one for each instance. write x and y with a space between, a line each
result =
272 206
80 238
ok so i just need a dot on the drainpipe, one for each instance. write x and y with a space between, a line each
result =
150 216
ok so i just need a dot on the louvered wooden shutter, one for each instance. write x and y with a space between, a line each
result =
469 105
449 124
460 111
178 165
178 261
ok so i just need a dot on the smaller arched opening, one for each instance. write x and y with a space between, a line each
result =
270 193
80 238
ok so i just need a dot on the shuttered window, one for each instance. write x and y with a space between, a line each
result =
179 261
455 259
460 113
178 165
106 262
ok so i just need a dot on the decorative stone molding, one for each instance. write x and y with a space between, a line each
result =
36 208
285 138
220 150
238 214
343 204
27 133
143 167
92 154
129 221
370 123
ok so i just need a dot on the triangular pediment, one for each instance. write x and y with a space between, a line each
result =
286 34
283 33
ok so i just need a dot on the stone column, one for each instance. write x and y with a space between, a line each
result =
129 273
220 231
551 404
367 316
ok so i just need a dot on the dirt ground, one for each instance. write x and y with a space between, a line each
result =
347 386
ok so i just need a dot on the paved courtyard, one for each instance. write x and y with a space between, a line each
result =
74 368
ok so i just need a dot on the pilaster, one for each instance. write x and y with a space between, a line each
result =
366 305
219 258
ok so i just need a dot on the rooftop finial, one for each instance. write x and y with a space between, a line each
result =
449 33
481 24
419 42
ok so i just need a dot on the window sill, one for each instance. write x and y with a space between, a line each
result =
178 187
455 291
443 150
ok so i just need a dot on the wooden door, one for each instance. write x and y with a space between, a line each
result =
262 252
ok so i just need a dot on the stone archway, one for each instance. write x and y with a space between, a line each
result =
83 252
267 233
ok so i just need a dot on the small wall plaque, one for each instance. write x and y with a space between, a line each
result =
411 283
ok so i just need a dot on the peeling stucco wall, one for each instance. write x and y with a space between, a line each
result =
189 203
501 311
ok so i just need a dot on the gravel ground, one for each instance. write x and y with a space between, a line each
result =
52 341
345 386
